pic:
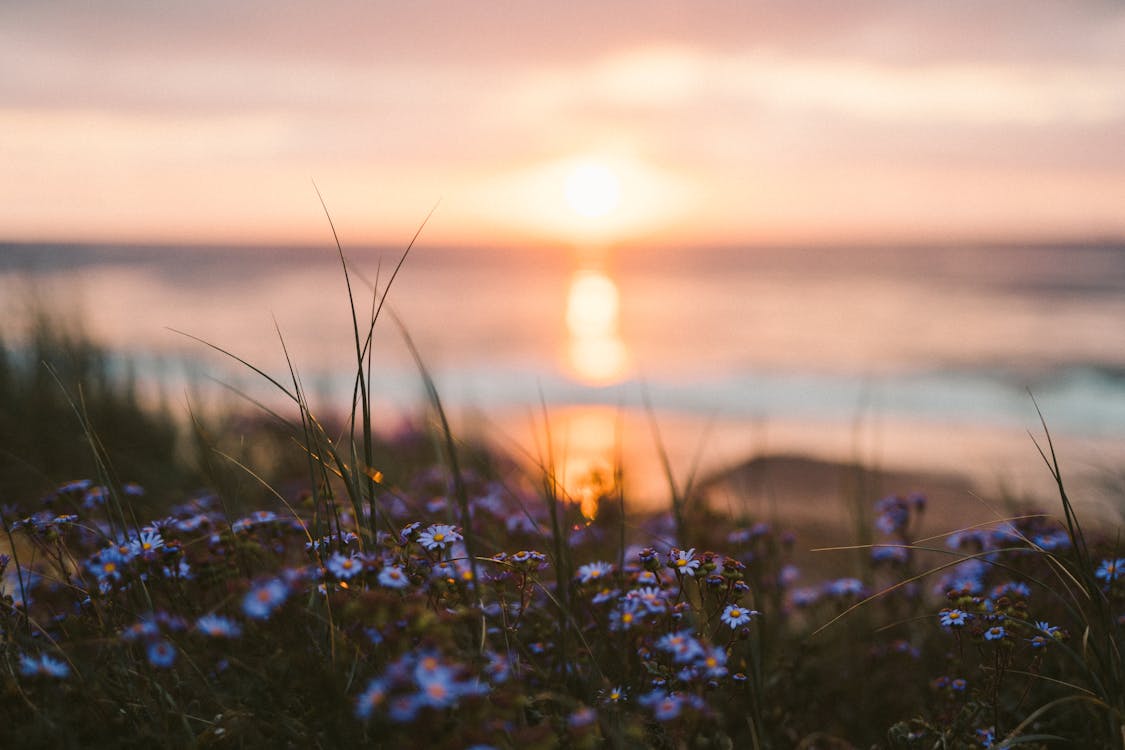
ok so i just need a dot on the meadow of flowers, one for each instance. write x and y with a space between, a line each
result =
424 593
311 625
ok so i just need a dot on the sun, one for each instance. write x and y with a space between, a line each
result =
592 190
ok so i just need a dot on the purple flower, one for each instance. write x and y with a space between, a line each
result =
393 577
106 565
261 601
217 626
736 616
582 717
613 695
683 562
714 662
846 587
954 618
995 633
43 666
626 615
161 654
373 696
344 567
682 645
664 707
650 597
594 571
438 536
1109 570
148 541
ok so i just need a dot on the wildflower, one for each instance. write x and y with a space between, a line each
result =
805 597
148 541
261 601
986 736
437 689
954 618
144 628
958 684
528 559
651 597
739 536
497 668
161 654
682 645
889 553
256 518
1047 629
393 577
714 662
409 532
344 567
613 695
736 616
995 633
43 666
683 562
1051 541
373 696
438 536
664 707
605 595
217 626
181 570
593 571
106 565
75 485
1110 569
403 709
846 587
894 514
625 616
582 717
1017 589
94 497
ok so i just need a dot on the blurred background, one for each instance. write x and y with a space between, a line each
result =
867 232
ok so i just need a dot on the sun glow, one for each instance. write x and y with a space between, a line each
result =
593 190
595 198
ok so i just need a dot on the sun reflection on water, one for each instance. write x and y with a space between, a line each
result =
596 354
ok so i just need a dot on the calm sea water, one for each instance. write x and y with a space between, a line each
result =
906 357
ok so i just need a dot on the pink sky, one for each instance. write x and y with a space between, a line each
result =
723 122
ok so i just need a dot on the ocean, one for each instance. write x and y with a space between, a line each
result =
930 358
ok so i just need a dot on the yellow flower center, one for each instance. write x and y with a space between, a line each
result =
439 537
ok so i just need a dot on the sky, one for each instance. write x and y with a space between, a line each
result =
720 123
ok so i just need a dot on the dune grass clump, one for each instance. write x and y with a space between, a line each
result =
51 378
